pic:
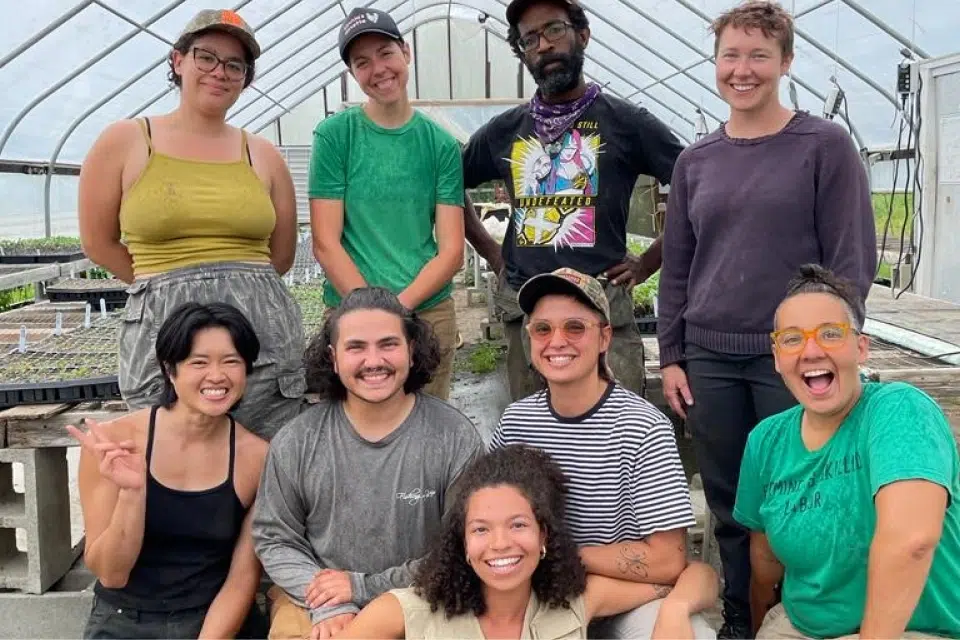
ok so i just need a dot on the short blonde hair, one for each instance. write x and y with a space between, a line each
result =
770 17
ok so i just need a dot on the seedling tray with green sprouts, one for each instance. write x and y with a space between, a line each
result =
40 250
645 304
77 365
310 299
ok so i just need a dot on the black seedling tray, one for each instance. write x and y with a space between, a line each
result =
646 324
105 388
41 258
114 298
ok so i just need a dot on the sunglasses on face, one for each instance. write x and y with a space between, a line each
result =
830 335
573 329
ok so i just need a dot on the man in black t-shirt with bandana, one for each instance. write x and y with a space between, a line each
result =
570 160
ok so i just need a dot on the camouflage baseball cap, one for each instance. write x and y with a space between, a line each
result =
565 281
227 21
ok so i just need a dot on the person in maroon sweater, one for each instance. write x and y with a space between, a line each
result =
770 190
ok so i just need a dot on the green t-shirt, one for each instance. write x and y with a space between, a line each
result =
390 181
817 508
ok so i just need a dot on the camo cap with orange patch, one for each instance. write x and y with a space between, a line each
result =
227 21
566 281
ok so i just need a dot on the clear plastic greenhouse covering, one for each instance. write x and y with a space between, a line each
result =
68 68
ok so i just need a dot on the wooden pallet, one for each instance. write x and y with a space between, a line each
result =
37 426
940 383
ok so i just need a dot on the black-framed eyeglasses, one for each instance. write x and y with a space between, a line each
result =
208 61
552 32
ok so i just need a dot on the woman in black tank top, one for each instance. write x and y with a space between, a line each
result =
166 492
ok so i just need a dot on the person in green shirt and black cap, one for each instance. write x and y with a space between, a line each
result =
386 189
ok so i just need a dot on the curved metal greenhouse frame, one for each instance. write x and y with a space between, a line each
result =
652 52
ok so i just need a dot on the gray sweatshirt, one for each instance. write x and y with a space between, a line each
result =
329 499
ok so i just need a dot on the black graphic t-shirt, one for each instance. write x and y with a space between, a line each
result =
571 199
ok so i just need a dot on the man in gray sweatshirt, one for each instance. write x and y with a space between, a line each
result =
354 488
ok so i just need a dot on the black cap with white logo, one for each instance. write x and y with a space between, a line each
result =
365 20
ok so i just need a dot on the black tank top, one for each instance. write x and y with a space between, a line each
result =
188 542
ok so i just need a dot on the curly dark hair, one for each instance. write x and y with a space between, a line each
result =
578 18
770 17
446 581
813 278
183 46
322 378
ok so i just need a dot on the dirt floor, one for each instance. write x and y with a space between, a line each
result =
469 317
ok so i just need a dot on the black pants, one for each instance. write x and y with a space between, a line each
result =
731 394
111 622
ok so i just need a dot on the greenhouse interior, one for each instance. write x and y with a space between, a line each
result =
887 70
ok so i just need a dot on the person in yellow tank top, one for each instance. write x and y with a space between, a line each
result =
188 208
505 566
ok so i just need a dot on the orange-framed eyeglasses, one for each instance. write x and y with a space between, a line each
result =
573 329
829 335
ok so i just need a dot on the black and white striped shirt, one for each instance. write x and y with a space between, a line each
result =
625 479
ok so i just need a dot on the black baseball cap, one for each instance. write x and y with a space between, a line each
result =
365 20
516 8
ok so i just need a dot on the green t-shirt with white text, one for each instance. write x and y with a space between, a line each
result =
390 181
817 508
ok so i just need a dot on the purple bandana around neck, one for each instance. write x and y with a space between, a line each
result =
550 121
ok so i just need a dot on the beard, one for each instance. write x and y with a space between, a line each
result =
564 76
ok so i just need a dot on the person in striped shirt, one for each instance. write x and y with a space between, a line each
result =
628 505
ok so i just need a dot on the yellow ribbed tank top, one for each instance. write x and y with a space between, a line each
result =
182 212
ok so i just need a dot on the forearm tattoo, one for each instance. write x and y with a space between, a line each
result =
662 590
633 561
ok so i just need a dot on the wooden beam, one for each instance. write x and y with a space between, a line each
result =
33 411
919 377
43 273
29 276
51 431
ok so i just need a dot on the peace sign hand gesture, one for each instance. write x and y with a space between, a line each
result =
119 462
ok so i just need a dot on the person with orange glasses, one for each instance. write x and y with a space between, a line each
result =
628 505
851 496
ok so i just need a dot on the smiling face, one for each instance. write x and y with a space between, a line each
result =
213 376
749 68
567 356
823 375
215 90
555 66
502 538
381 66
371 355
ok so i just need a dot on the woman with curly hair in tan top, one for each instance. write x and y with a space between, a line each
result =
505 567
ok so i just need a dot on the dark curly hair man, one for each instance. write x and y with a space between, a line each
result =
354 488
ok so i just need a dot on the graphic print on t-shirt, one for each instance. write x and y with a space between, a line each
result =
556 189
